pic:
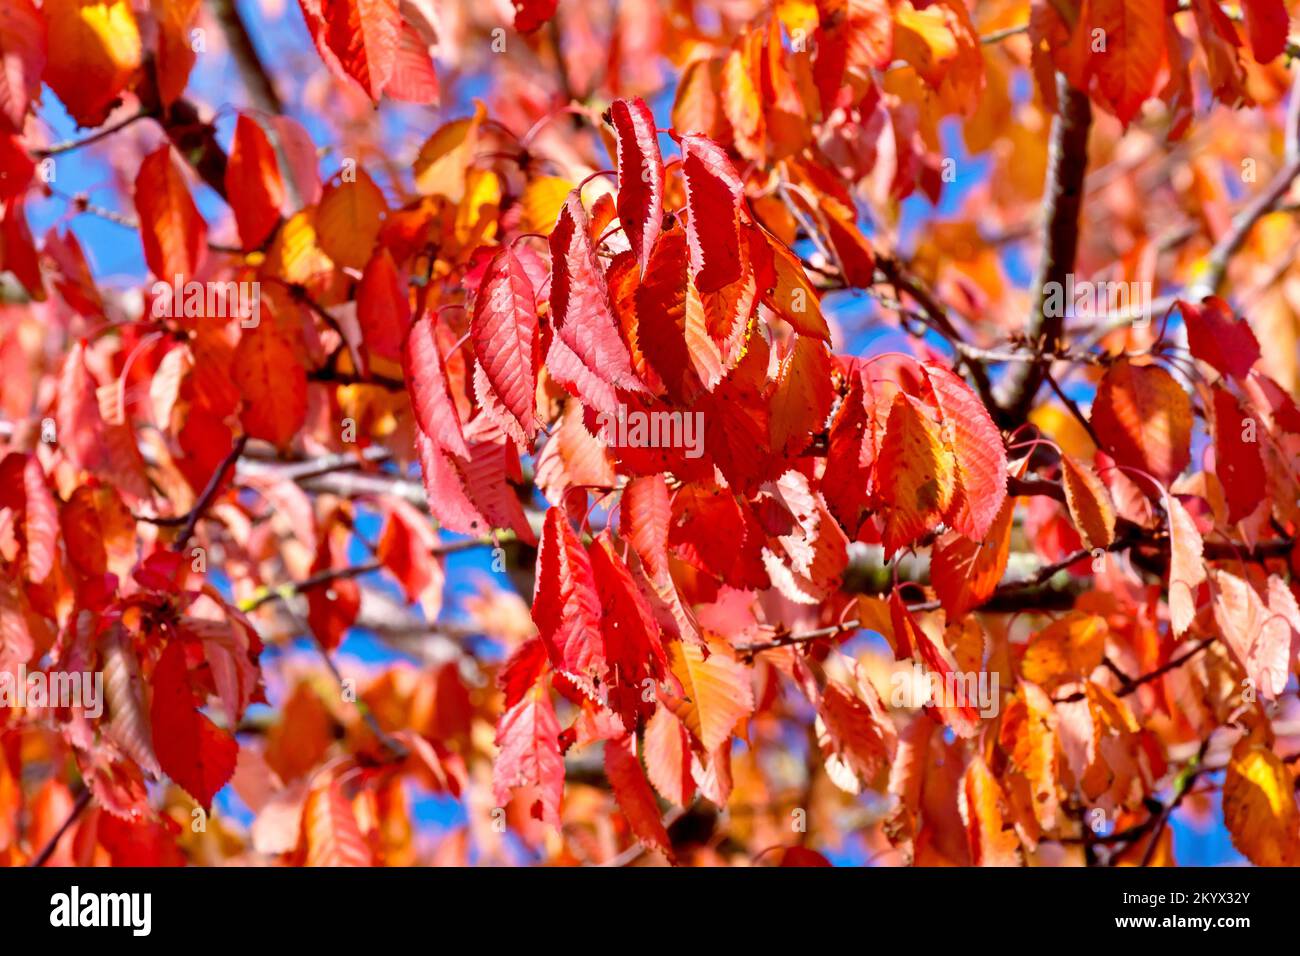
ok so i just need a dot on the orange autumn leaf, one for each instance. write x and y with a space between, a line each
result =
1259 805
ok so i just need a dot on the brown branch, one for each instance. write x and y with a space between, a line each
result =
1130 685
47 851
193 138
936 316
210 492
1063 199
68 146
1010 595
256 77
1217 268
1228 245
294 588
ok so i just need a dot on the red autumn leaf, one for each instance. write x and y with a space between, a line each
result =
522 669
22 53
406 549
1089 503
1127 62
1214 336
668 757
1238 463
965 573
716 692
504 332
16 167
956 706
587 355
23 490
92 49
446 485
124 694
358 38
1267 25
426 377
645 512
382 308
802 398
1144 419
640 175
17 251
984 811
662 305
977 451
1186 567
528 735
330 830
856 737
566 606
1259 638
176 45
915 474
783 283
174 234
413 78
634 796
713 195
253 183
531 14
633 651
332 605
191 749
89 442
272 382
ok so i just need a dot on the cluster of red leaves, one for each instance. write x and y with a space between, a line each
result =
491 325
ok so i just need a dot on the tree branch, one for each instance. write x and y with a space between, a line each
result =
256 77
47 851
1063 198
68 146
210 492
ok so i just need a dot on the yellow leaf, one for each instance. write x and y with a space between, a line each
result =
1089 503
1259 806
915 474
348 220
447 155
542 200
981 804
716 691
295 256
1065 650
1064 429
1028 734
94 48
476 217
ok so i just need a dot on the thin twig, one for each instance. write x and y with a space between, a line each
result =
47 851
210 492
69 145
